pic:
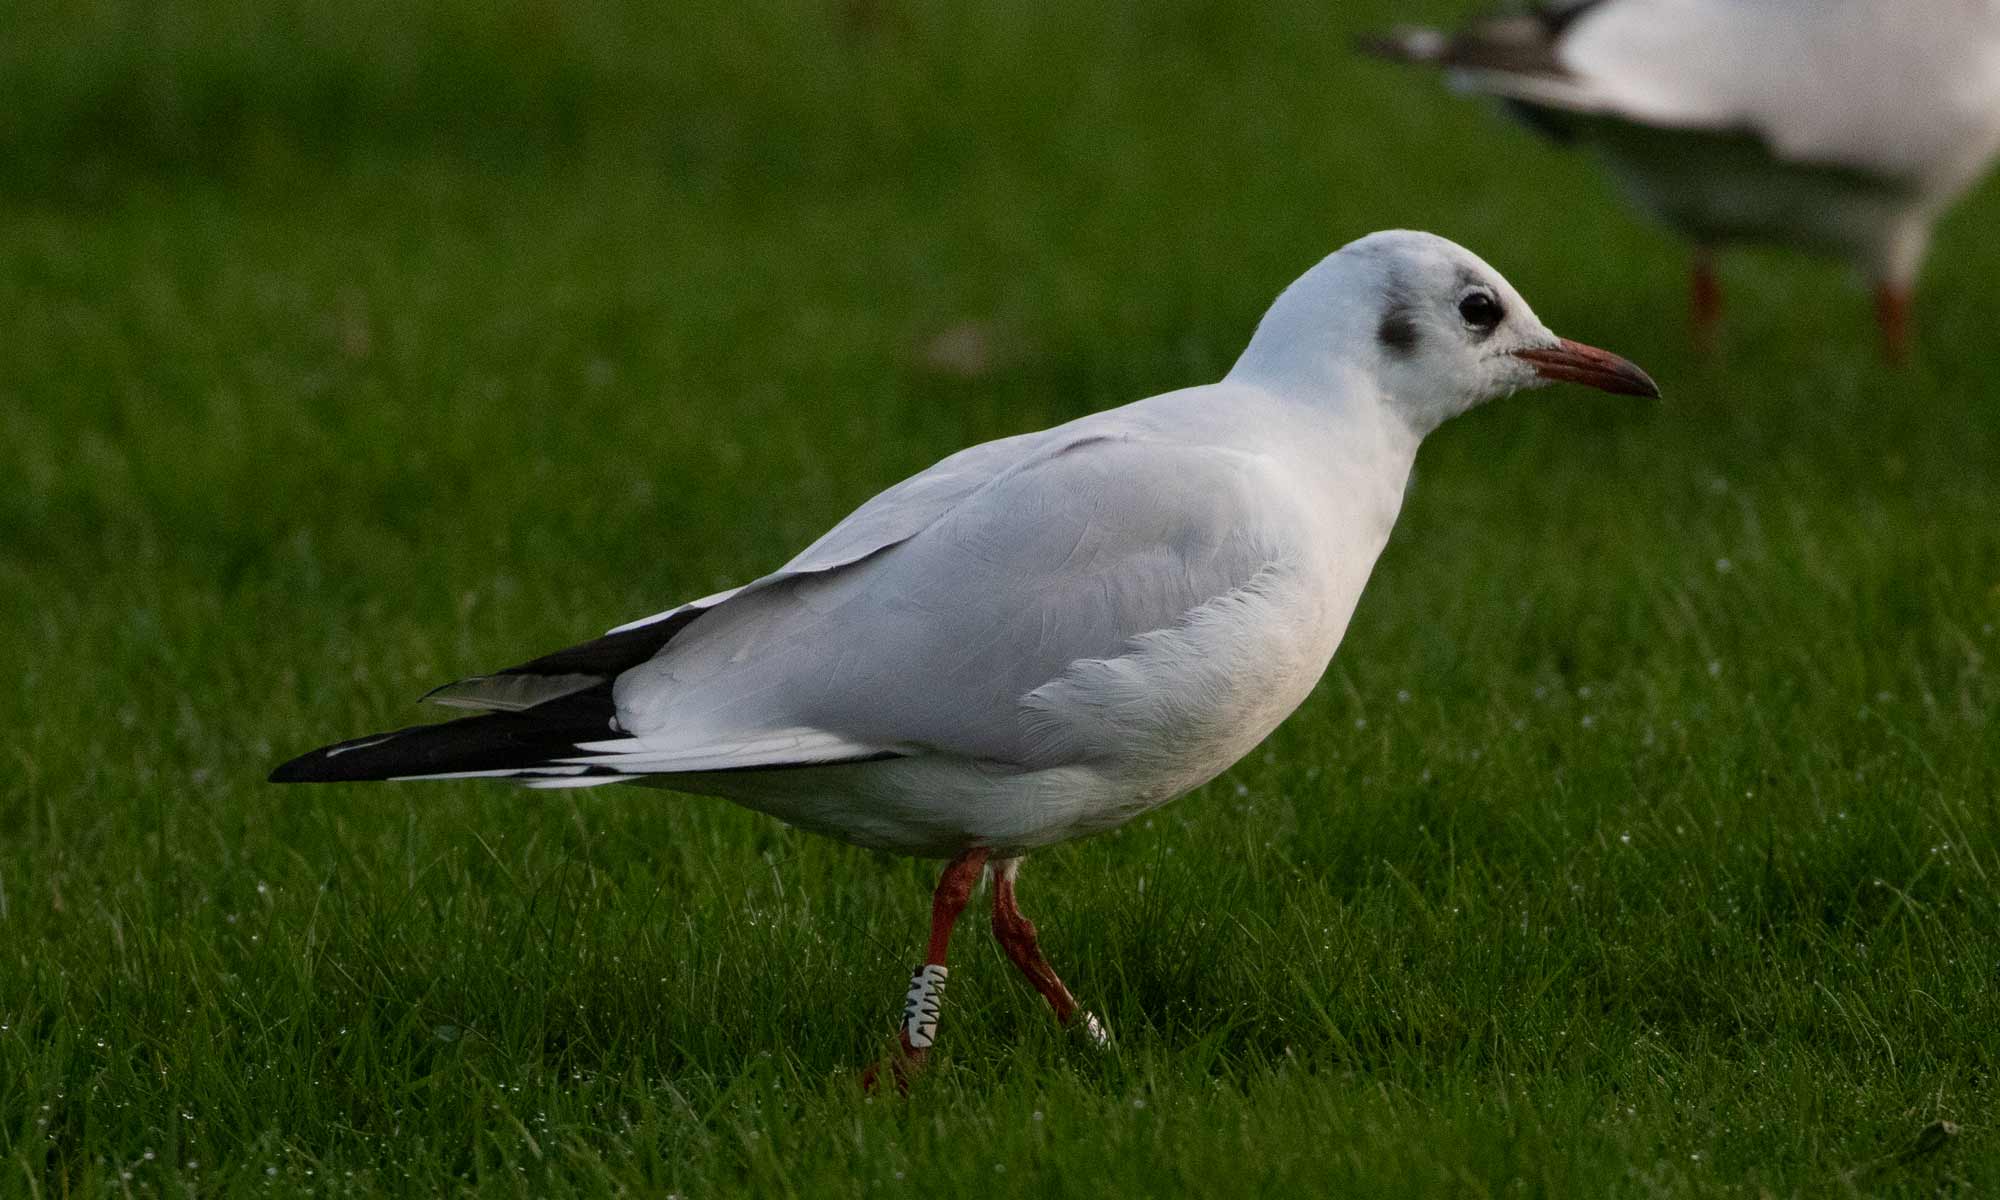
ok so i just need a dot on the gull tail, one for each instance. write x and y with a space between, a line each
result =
572 741
553 723
529 747
1408 43
1513 44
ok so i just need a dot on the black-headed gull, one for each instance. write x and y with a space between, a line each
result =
1845 127
1044 636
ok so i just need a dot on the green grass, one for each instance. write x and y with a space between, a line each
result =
1643 839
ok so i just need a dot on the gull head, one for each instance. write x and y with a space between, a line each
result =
1424 325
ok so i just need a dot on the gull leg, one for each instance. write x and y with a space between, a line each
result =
1705 299
1016 935
1892 317
920 1008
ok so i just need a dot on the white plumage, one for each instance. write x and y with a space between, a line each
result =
1039 637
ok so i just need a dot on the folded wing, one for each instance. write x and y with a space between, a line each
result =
933 645
919 625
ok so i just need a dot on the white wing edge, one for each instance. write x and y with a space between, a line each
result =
794 747
709 601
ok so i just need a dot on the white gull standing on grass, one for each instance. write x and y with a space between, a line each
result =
1845 127
1043 636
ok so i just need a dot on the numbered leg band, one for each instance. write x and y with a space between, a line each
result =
920 1007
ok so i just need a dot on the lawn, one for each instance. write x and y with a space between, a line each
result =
1643 839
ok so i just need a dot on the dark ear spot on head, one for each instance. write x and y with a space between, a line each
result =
1398 330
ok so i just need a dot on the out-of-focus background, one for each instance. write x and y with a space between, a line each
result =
1641 840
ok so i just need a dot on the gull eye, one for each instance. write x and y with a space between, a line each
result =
1481 310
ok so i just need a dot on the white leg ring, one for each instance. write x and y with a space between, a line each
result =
920 1007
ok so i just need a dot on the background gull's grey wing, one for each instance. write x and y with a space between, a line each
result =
936 643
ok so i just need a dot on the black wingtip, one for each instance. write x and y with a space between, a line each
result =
490 742
300 770
306 768
325 765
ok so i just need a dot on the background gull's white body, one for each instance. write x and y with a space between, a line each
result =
1841 125
1845 127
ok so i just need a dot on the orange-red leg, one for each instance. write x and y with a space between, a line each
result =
920 1010
1705 300
1892 317
1016 935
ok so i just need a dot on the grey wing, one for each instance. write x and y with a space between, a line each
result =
887 519
936 643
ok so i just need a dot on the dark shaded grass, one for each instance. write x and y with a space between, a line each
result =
1641 840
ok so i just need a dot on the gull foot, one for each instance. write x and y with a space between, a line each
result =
1086 1028
902 1065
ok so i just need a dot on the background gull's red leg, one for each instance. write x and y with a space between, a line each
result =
1705 299
1892 317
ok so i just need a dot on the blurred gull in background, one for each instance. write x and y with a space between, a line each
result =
1845 127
